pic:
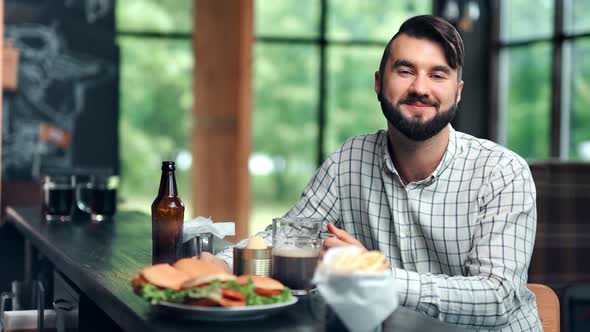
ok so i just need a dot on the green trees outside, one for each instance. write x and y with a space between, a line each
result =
156 93
580 106
155 97
286 84
529 89
529 101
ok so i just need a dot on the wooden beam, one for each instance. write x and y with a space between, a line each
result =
222 44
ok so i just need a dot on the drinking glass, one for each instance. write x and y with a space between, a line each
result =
296 245
98 196
57 203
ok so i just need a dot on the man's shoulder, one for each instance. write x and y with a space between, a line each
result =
361 146
474 147
366 141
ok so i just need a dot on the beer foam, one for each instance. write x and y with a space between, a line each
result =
296 252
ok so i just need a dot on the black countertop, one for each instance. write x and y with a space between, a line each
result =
100 259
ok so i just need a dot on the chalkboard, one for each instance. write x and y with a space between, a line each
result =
64 111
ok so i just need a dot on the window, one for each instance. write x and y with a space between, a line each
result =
313 88
155 39
544 79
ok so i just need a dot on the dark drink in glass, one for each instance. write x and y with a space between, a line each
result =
99 201
57 201
98 196
294 268
296 247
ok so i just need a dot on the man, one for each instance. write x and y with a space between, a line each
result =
455 215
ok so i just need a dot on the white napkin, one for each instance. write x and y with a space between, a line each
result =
201 225
362 300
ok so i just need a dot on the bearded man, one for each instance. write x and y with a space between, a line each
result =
454 214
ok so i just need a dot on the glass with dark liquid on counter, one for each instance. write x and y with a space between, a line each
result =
57 201
98 196
295 251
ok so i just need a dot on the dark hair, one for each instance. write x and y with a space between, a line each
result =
435 29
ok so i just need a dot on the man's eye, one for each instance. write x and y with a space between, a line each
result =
404 72
438 76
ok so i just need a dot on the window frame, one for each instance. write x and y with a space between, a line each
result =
322 42
560 42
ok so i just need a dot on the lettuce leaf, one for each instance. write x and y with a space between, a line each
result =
155 295
254 299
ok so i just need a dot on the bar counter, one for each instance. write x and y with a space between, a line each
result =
100 259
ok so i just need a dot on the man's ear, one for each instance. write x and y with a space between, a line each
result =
459 90
378 85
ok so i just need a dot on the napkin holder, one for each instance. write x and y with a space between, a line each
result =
196 245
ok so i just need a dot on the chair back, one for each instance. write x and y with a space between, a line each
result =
547 305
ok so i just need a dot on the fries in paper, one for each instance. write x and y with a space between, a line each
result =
353 259
358 286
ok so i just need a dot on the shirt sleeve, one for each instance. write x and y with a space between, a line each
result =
319 200
320 196
497 265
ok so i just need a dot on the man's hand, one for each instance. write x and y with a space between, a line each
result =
340 238
208 257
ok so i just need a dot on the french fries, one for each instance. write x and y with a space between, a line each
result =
370 261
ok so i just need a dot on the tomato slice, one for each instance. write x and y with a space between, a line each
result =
231 294
266 292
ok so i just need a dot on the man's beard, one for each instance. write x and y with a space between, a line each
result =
414 129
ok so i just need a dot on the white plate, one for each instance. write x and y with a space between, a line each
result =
224 314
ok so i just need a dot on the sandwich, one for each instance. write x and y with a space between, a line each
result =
188 281
195 282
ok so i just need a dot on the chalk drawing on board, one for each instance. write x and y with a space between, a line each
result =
53 84
93 9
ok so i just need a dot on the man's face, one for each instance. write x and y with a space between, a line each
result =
418 90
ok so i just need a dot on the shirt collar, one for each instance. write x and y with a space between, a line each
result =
453 148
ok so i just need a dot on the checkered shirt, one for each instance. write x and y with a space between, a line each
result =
459 242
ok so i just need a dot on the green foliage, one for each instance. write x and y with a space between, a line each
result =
529 101
580 117
155 16
353 108
156 94
529 85
286 79
287 18
580 11
521 21
156 97
375 20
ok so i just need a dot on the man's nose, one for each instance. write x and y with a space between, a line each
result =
419 86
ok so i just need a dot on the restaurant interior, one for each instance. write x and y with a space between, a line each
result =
248 98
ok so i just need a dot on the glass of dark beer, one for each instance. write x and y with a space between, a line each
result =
57 203
98 196
296 248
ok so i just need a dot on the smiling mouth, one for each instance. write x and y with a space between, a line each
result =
419 105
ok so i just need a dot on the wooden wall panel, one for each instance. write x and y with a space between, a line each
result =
223 40
563 224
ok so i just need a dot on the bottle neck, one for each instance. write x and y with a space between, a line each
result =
168 184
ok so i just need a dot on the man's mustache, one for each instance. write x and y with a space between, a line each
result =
414 98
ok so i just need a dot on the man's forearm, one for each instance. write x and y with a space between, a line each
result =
476 302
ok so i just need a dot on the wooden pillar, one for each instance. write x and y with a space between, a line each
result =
222 44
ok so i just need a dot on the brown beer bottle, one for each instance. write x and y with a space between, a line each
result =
167 219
